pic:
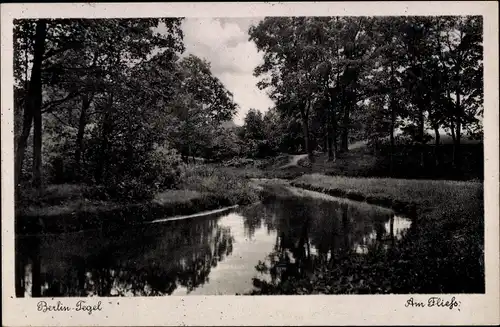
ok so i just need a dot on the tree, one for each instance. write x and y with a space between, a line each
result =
254 125
356 37
32 102
275 129
202 104
59 52
460 50
386 79
291 65
260 133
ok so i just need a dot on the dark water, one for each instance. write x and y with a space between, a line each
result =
213 254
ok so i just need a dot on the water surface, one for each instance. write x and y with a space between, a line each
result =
220 253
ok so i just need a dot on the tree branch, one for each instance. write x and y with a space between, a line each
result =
48 107
60 120
52 52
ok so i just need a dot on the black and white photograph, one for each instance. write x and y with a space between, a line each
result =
305 155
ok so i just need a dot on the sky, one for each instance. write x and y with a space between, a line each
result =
224 43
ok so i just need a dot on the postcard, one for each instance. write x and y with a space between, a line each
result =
250 163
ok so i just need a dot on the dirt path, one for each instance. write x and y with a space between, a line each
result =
294 161
357 145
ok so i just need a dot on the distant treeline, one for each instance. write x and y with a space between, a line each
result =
111 102
338 79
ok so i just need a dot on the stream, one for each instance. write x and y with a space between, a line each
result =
221 253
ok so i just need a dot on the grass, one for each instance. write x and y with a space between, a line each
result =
69 207
443 252
429 193
362 162
224 183
66 199
271 171
176 196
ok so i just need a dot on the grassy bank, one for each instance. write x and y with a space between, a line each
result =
443 252
269 172
70 207
437 162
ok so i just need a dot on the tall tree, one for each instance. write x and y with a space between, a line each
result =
202 104
61 54
386 78
291 65
461 55
34 102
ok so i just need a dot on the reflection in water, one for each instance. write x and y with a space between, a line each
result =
312 233
152 260
217 254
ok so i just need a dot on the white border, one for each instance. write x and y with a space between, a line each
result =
262 310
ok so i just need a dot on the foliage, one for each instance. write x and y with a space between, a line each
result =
201 104
142 177
343 75
220 183
259 135
225 145
102 96
112 93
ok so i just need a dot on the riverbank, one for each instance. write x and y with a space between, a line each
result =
69 208
438 164
443 251
87 214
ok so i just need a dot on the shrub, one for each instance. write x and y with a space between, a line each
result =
141 177
165 168
220 183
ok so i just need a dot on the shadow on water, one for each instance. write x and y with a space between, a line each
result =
148 261
250 248
314 234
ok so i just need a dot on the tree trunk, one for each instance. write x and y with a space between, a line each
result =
458 133
82 122
329 144
452 128
345 132
334 134
22 142
436 145
329 134
33 109
393 126
189 155
37 150
332 124
437 135
104 147
305 128
421 132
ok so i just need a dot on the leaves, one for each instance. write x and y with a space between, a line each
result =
429 68
124 79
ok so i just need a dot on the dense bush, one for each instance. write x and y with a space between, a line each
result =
123 172
437 161
142 177
220 183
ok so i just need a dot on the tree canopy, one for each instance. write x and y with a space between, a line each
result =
345 75
102 97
